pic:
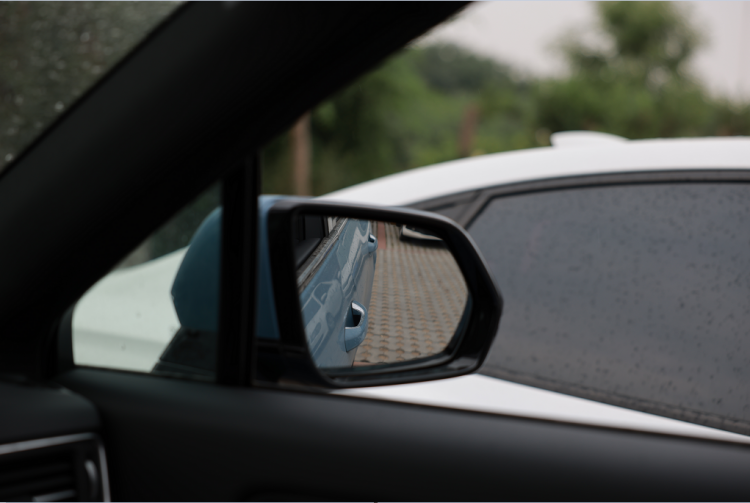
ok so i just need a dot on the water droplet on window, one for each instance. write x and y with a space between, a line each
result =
8 157
59 106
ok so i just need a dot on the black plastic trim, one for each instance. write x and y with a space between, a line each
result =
166 434
76 449
240 189
62 352
478 200
464 199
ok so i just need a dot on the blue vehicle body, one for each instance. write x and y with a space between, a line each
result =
335 295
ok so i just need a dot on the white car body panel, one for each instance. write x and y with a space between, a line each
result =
473 173
583 139
488 394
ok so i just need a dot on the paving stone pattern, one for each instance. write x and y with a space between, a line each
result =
418 297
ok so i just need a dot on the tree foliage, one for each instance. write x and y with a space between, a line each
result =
639 86
406 113
643 37
421 105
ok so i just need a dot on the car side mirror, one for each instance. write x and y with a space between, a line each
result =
368 296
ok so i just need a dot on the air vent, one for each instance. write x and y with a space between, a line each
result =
40 478
70 468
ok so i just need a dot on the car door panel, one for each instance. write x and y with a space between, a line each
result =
32 411
175 440
337 276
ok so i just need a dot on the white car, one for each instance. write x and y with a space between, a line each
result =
459 189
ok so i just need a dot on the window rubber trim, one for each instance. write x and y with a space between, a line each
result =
476 200
608 179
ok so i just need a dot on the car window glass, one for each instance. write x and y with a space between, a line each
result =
52 52
307 234
157 311
633 295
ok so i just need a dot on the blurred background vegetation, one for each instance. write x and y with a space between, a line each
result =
437 103
427 104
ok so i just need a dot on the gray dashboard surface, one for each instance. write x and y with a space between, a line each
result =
33 411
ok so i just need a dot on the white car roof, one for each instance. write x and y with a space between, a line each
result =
567 158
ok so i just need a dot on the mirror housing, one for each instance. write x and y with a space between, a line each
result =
286 359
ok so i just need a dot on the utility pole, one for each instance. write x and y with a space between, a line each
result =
468 130
302 156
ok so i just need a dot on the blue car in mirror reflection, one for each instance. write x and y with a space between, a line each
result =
335 260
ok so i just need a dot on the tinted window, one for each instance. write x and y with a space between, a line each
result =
635 295
307 234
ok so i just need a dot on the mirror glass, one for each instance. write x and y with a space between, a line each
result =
375 292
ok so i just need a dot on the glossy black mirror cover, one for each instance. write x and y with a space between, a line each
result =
463 354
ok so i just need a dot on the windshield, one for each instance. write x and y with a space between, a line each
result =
52 52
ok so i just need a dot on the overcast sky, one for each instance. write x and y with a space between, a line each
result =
523 34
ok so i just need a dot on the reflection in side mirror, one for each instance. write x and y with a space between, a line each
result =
375 293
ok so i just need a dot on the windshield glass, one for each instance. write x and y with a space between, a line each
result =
52 52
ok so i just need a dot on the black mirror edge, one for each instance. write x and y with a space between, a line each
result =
288 362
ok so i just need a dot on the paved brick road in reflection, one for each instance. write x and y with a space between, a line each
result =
418 297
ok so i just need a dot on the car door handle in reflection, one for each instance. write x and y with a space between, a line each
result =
372 244
354 335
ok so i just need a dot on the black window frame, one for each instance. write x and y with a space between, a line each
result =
474 201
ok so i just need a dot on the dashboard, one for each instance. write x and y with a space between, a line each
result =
50 449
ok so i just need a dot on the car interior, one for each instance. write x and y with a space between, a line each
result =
193 105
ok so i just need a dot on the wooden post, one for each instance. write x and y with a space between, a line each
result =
468 129
301 156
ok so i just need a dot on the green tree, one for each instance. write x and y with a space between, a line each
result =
406 113
644 37
639 87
